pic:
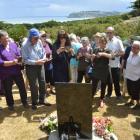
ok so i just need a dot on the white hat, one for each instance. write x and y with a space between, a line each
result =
110 29
49 40
42 33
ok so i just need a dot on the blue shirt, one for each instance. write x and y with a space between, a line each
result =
75 47
32 53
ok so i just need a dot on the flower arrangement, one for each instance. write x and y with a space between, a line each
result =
49 124
102 127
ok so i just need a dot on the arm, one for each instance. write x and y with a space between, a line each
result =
8 63
103 54
25 56
121 50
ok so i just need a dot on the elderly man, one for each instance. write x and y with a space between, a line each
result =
10 70
133 75
34 58
115 45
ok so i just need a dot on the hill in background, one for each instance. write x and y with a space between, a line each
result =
94 14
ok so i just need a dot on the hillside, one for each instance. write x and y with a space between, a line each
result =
89 14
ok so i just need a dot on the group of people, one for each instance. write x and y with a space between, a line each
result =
69 59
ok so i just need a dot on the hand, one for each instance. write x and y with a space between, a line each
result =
61 49
116 54
71 51
93 57
80 55
40 61
15 62
100 54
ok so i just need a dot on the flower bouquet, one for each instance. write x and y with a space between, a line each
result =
102 128
49 124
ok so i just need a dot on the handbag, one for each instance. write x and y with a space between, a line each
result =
90 71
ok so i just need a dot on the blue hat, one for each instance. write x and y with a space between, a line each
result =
33 33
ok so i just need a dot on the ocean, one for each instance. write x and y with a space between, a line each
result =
42 19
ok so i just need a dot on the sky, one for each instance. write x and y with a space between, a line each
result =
14 9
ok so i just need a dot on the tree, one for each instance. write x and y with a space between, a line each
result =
136 5
17 32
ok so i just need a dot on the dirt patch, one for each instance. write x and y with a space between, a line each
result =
24 124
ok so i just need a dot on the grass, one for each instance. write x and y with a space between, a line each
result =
23 124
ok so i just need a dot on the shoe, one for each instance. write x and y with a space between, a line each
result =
136 107
11 108
43 103
108 96
119 97
26 105
101 104
34 107
129 104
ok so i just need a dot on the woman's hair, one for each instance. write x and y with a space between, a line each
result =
63 34
103 39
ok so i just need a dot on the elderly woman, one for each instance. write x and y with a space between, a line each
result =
47 44
61 57
34 57
75 46
10 70
133 75
100 58
83 58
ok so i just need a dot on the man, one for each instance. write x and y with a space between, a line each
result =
10 70
133 75
116 47
34 58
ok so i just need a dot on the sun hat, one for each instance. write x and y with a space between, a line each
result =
49 41
98 34
42 33
110 29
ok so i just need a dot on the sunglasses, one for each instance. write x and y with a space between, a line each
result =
36 38
62 37
109 32
43 36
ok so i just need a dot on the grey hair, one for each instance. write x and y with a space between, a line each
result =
137 43
3 33
85 39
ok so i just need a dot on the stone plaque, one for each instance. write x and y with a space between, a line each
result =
74 99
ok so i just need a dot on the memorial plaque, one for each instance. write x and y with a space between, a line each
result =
75 99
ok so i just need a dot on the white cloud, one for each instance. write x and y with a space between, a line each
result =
58 7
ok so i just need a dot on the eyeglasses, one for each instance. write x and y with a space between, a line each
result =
36 38
62 37
43 36
109 32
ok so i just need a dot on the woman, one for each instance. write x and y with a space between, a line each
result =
10 70
100 59
133 75
83 59
75 46
61 57
47 44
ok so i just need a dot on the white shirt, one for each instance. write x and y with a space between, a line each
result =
115 45
133 67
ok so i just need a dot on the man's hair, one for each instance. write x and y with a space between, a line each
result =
3 33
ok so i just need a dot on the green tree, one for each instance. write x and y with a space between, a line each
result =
136 5
17 32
